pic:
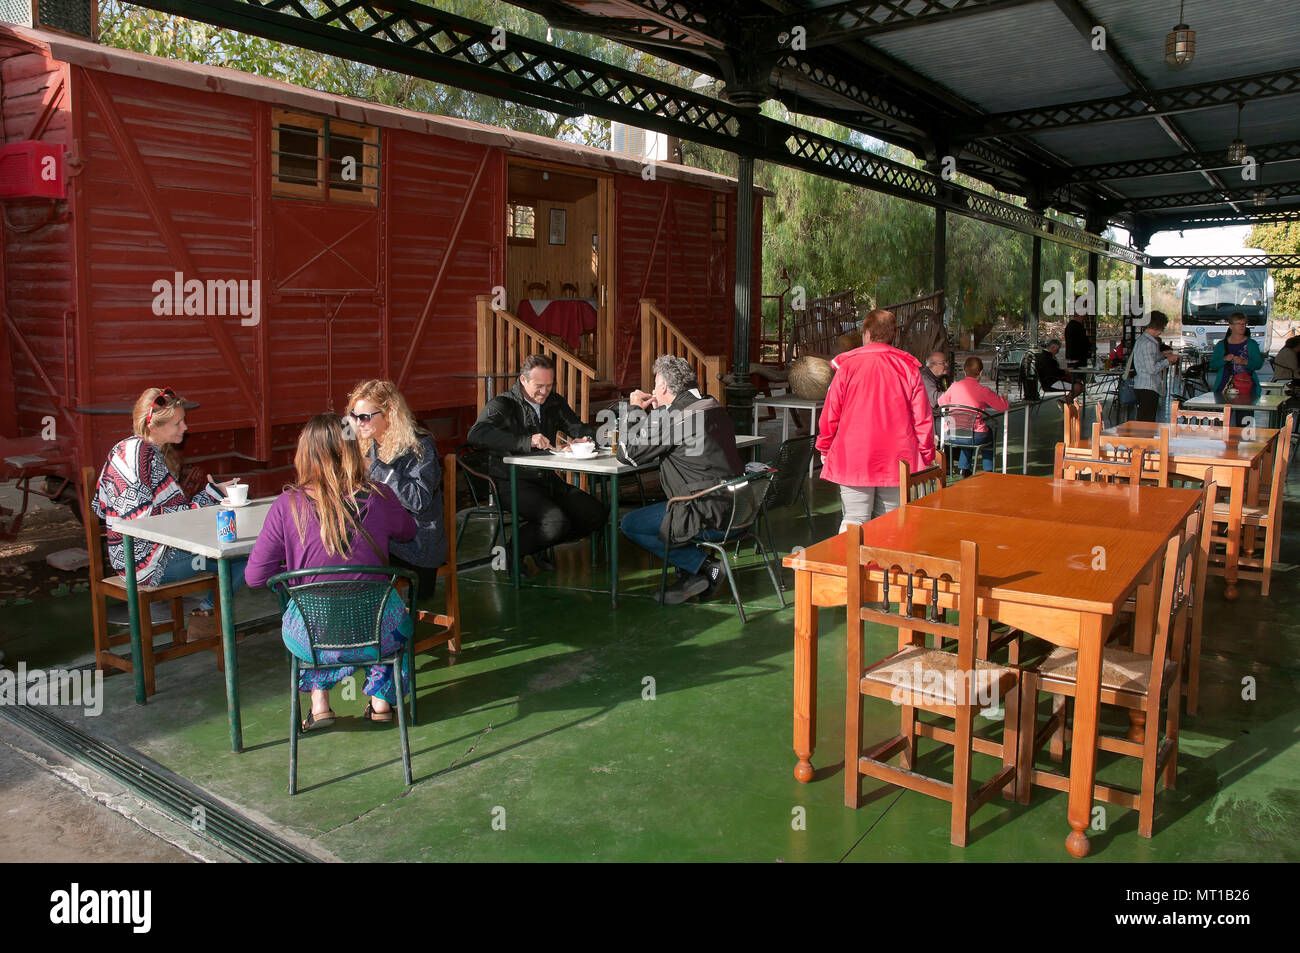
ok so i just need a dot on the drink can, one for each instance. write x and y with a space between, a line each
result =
226 532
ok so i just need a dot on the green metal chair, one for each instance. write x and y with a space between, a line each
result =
741 525
344 615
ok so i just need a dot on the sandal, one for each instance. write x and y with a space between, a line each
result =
371 715
323 721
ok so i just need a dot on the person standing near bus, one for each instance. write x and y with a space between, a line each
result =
1237 357
1150 361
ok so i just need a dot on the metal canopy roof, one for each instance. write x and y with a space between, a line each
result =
1015 91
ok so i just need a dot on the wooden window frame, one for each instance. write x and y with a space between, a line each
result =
510 224
323 126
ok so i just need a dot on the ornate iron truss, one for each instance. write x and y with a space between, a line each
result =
1227 261
1264 216
848 21
1171 165
1163 102
420 40
1278 190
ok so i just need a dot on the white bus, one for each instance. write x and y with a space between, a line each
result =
1210 295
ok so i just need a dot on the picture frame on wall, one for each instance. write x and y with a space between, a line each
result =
558 217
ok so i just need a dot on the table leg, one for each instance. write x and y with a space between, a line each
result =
1144 617
1006 437
226 595
133 616
514 515
785 424
805 675
613 541
1083 751
1235 500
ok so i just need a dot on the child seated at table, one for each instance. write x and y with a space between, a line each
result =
334 515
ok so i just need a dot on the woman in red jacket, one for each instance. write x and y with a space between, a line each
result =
876 414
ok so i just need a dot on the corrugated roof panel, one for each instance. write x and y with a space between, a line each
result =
1086 145
1263 121
1006 60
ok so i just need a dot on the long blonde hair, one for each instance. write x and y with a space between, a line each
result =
142 423
331 472
402 434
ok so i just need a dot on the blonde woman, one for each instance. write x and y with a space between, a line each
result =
404 458
141 478
334 516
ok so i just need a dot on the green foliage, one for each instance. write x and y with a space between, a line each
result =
1282 238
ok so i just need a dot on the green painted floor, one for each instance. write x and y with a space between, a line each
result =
543 740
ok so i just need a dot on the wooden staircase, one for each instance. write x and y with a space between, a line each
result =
503 343
661 336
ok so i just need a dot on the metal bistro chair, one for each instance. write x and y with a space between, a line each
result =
957 421
485 500
741 525
344 614
789 484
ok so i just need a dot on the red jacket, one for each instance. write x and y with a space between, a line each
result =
876 414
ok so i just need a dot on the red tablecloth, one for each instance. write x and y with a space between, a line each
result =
568 318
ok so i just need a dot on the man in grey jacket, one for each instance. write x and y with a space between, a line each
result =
1150 361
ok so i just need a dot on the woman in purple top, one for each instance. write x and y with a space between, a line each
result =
334 516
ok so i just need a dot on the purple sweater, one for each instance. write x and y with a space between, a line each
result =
280 549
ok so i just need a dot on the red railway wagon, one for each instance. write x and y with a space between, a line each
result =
260 247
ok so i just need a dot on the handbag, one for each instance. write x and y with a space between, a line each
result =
1127 392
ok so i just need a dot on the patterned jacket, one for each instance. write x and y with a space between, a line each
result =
136 482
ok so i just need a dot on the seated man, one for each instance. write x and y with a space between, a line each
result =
967 430
525 420
1050 374
694 441
935 377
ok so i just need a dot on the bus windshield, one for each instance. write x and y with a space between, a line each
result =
1212 294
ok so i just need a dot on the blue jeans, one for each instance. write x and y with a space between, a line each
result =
642 527
180 565
966 445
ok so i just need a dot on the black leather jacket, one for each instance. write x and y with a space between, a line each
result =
506 426
694 441
417 481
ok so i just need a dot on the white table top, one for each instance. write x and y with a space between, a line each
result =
195 531
603 463
1213 401
788 400
1098 371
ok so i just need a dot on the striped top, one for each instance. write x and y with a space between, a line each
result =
136 482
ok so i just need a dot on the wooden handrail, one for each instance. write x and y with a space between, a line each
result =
503 343
661 336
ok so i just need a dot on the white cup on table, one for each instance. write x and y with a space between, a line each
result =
237 494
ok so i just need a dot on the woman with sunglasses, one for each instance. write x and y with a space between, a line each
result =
141 479
404 458
335 516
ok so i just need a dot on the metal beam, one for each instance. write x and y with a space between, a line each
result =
1187 162
1165 102
1227 261
1263 216
857 20
423 41
1274 192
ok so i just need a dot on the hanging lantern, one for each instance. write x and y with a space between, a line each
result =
1237 148
1180 43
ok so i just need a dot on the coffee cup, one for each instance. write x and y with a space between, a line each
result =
237 493
584 449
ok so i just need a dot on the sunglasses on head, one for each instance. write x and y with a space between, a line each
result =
165 397
363 418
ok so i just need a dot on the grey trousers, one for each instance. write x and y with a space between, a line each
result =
861 504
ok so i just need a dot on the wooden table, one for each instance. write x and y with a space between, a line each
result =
195 531
1035 575
1236 454
602 465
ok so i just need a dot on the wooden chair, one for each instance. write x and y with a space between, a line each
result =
1155 463
1180 417
1128 680
1266 516
923 482
1073 424
568 290
955 685
537 289
1087 468
105 585
1192 681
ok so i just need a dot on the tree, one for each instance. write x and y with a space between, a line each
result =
1281 238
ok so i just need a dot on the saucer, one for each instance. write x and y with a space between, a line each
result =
234 506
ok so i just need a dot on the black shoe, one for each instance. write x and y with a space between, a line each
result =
712 571
963 473
680 591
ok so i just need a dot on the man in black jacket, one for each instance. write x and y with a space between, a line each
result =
525 420
694 441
